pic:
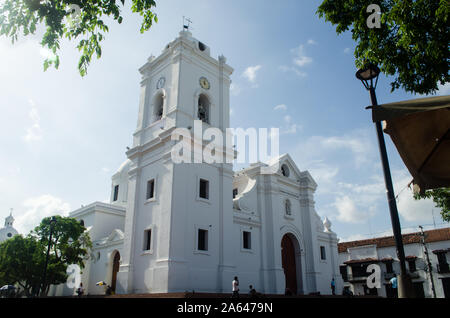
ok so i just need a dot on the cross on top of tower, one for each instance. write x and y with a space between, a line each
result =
186 23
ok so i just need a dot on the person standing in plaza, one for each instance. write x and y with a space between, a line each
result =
333 287
235 287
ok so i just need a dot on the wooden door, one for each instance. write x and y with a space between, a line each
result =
288 262
116 264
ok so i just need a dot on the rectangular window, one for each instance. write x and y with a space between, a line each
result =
442 260
412 265
150 189
343 270
389 268
323 256
116 193
235 193
202 240
147 240
204 189
247 240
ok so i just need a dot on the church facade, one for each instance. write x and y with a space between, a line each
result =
177 227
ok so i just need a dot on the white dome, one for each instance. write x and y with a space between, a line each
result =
124 167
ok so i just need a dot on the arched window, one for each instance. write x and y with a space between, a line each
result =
285 170
287 207
203 108
158 107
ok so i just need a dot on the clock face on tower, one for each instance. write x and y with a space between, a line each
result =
204 83
161 83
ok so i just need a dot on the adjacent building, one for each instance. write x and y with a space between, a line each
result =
426 262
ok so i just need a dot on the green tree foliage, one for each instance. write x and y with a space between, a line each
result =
22 260
411 44
73 19
70 244
441 198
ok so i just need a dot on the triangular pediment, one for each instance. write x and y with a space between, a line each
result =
284 163
285 166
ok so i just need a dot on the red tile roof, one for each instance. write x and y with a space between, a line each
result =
365 260
430 236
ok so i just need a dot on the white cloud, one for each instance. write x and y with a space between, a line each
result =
347 210
347 50
410 209
280 107
323 173
289 128
299 73
300 58
234 89
355 237
36 209
444 89
334 154
358 237
250 73
358 145
34 132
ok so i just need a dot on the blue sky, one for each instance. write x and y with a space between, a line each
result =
63 136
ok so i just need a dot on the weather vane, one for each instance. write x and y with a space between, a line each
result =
186 23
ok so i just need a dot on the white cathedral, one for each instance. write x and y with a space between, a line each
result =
194 226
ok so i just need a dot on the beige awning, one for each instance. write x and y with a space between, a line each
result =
420 129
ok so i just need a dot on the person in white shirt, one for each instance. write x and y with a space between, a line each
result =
235 287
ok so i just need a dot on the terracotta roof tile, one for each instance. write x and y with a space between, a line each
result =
430 236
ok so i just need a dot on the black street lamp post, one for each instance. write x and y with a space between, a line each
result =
44 279
369 77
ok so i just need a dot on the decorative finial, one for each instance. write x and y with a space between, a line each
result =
327 225
222 59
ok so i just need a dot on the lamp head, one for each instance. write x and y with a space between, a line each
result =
367 74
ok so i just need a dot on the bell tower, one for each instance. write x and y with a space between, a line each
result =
181 85
178 215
